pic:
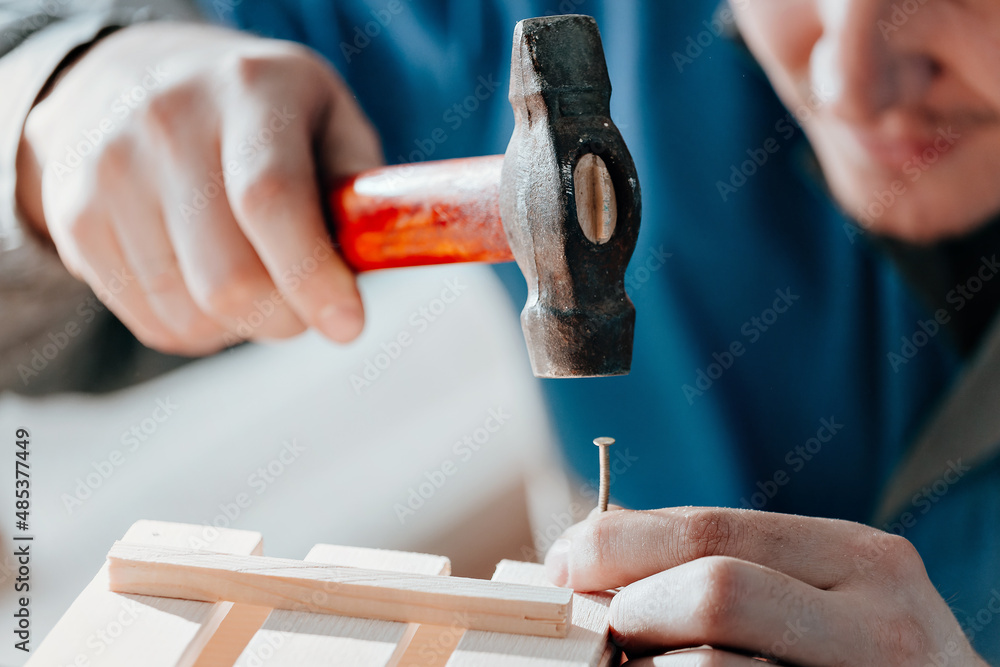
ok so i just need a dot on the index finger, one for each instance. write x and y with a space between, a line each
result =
276 202
618 548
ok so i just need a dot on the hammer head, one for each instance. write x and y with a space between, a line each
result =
569 201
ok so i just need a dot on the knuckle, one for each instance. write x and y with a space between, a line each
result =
265 65
253 69
81 226
166 114
114 163
230 294
900 559
706 532
720 592
259 193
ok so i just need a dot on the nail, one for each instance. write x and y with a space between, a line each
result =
605 489
557 562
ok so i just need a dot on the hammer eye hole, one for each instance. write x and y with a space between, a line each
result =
596 207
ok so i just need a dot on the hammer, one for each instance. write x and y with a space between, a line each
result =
563 201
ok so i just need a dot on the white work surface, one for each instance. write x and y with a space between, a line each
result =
360 451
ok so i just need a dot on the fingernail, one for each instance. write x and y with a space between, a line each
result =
342 323
557 562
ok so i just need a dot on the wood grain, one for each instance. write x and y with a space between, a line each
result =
586 644
106 629
282 583
303 639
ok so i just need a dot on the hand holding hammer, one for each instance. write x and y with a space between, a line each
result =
200 196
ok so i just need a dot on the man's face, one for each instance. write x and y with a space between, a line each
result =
905 103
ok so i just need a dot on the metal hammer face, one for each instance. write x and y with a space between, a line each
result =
569 201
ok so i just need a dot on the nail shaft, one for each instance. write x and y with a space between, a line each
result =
605 490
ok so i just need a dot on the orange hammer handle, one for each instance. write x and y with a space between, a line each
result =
417 214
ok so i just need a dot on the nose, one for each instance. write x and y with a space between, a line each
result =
866 63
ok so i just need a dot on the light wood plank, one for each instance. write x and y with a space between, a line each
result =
237 629
421 645
303 639
430 646
403 562
282 583
106 629
586 645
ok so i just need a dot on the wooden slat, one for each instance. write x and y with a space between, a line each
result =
106 629
403 562
586 645
237 629
282 583
429 646
303 639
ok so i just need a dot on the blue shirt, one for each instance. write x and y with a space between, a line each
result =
761 376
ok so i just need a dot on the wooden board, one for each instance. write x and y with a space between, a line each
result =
303 639
237 629
422 645
586 645
282 583
387 560
429 646
106 629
